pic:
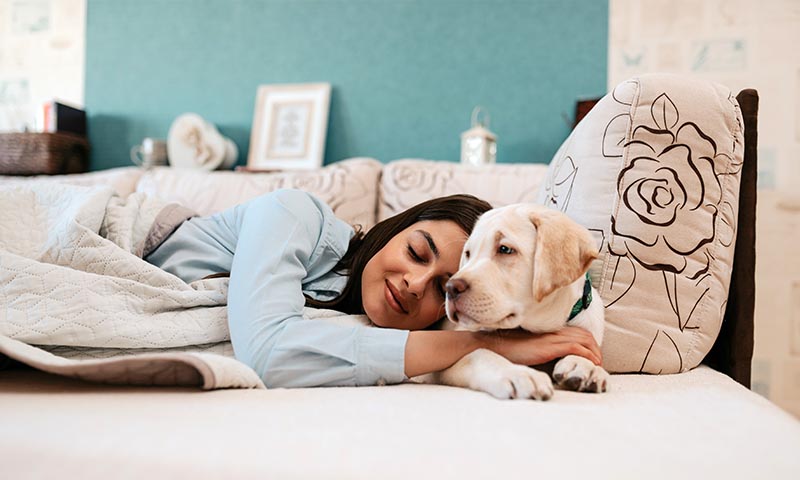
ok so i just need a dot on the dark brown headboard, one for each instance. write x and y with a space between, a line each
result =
733 350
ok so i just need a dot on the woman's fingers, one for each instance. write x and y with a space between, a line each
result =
580 350
533 349
575 341
580 336
561 350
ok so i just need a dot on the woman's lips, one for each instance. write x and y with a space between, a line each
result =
393 298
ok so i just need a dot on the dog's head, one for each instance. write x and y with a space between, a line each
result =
515 259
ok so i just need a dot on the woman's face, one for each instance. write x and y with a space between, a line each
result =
402 286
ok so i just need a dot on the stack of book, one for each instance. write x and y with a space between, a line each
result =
58 117
61 145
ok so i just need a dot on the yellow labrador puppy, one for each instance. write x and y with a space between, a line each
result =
524 267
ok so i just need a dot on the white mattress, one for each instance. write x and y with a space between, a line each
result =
701 424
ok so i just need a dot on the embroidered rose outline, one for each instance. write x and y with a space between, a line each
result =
664 187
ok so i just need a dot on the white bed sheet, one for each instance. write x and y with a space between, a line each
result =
699 424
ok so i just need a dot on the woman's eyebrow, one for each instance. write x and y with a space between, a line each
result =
430 241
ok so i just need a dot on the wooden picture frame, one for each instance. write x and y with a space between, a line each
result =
290 125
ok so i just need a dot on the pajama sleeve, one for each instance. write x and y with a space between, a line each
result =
279 236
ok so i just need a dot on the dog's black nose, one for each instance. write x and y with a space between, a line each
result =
455 287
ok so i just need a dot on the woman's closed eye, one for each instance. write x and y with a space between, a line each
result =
420 259
415 256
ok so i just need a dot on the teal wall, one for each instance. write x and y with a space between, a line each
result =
405 73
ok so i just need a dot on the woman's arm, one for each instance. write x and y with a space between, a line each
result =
431 350
279 237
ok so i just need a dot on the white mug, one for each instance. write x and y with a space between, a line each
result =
151 153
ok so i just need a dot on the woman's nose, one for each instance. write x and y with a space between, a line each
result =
417 281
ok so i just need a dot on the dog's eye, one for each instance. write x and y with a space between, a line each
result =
466 254
505 250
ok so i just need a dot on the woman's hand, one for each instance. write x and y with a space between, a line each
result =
525 348
434 350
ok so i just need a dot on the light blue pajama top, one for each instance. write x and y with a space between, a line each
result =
278 247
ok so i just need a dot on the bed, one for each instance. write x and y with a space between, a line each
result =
703 423
699 424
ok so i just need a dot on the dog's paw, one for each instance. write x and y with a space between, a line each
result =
517 382
580 375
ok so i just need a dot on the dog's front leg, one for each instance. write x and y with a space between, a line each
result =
580 374
486 371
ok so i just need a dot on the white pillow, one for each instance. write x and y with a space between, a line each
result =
408 182
122 179
350 187
653 171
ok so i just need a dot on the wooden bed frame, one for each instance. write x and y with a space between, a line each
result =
732 353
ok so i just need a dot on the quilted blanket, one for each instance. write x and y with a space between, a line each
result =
76 298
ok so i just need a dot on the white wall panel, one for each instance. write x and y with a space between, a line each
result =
42 53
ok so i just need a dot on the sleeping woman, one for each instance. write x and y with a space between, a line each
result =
287 250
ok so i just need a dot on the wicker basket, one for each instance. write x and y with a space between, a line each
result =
43 153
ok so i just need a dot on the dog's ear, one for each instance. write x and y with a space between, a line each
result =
563 252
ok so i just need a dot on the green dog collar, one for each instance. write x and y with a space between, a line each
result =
583 302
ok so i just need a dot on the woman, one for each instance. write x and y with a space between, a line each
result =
286 250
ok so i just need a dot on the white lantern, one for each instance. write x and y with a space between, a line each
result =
478 144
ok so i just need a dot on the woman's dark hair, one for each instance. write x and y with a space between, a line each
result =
463 210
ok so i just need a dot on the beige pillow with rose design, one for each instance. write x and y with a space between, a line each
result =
653 171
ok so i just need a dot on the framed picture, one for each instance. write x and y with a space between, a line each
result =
290 124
